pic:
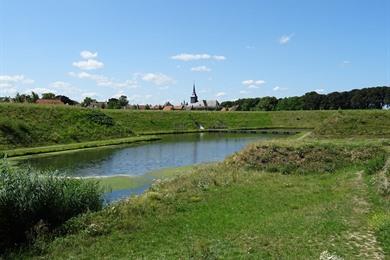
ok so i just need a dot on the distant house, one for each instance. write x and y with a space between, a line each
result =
49 102
181 107
98 105
168 108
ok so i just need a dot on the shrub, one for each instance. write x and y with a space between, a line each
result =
308 157
30 200
375 165
99 118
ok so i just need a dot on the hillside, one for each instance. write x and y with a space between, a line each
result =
33 125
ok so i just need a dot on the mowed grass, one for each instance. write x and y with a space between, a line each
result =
256 215
223 211
29 125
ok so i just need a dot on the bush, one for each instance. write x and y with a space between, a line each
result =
308 157
31 201
375 165
100 118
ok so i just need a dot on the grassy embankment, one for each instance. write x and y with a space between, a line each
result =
51 127
283 199
33 126
280 199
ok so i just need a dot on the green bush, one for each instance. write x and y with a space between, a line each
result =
31 201
99 118
375 165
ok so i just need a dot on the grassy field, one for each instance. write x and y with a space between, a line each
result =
319 194
26 125
245 209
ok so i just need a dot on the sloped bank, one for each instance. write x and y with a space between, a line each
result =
235 209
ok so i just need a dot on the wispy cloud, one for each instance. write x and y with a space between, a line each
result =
89 62
157 78
220 94
9 83
201 69
320 90
284 39
251 83
88 54
102 80
15 79
277 88
193 57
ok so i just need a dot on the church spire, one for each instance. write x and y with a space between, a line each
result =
194 97
193 90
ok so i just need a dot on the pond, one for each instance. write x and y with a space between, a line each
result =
139 160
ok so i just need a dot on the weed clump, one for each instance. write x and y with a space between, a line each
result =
309 157
31 203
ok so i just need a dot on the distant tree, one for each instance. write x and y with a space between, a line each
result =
19 98
48 96
34 97
87 101
267 104
66 100
312 101
290 103
113 103
123 101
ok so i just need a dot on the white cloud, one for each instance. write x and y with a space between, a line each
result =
8 83
88 55
284 39
15 79
220 94
251 83
320 90
157 78
64 88
192 57
277 88
89 64
102 80
201 69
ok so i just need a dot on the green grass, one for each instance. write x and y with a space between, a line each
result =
76 146
222 211
28 125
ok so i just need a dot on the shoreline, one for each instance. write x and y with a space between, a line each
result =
22 153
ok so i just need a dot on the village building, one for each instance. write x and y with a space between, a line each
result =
195 104
49 102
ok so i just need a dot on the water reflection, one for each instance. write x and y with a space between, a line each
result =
171 151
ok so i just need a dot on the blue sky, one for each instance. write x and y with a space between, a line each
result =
153 51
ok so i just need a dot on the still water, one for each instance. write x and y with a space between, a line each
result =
170 151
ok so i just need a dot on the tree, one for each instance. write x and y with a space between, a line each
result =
88 101
267 104
123 101
113 103
34 97
48 96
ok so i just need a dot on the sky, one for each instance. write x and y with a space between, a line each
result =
153 51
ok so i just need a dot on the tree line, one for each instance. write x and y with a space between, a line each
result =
366 98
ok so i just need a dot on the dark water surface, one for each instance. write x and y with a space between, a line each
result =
171 151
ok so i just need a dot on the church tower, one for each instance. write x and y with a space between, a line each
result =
194 97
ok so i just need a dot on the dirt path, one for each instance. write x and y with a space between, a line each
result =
362 239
